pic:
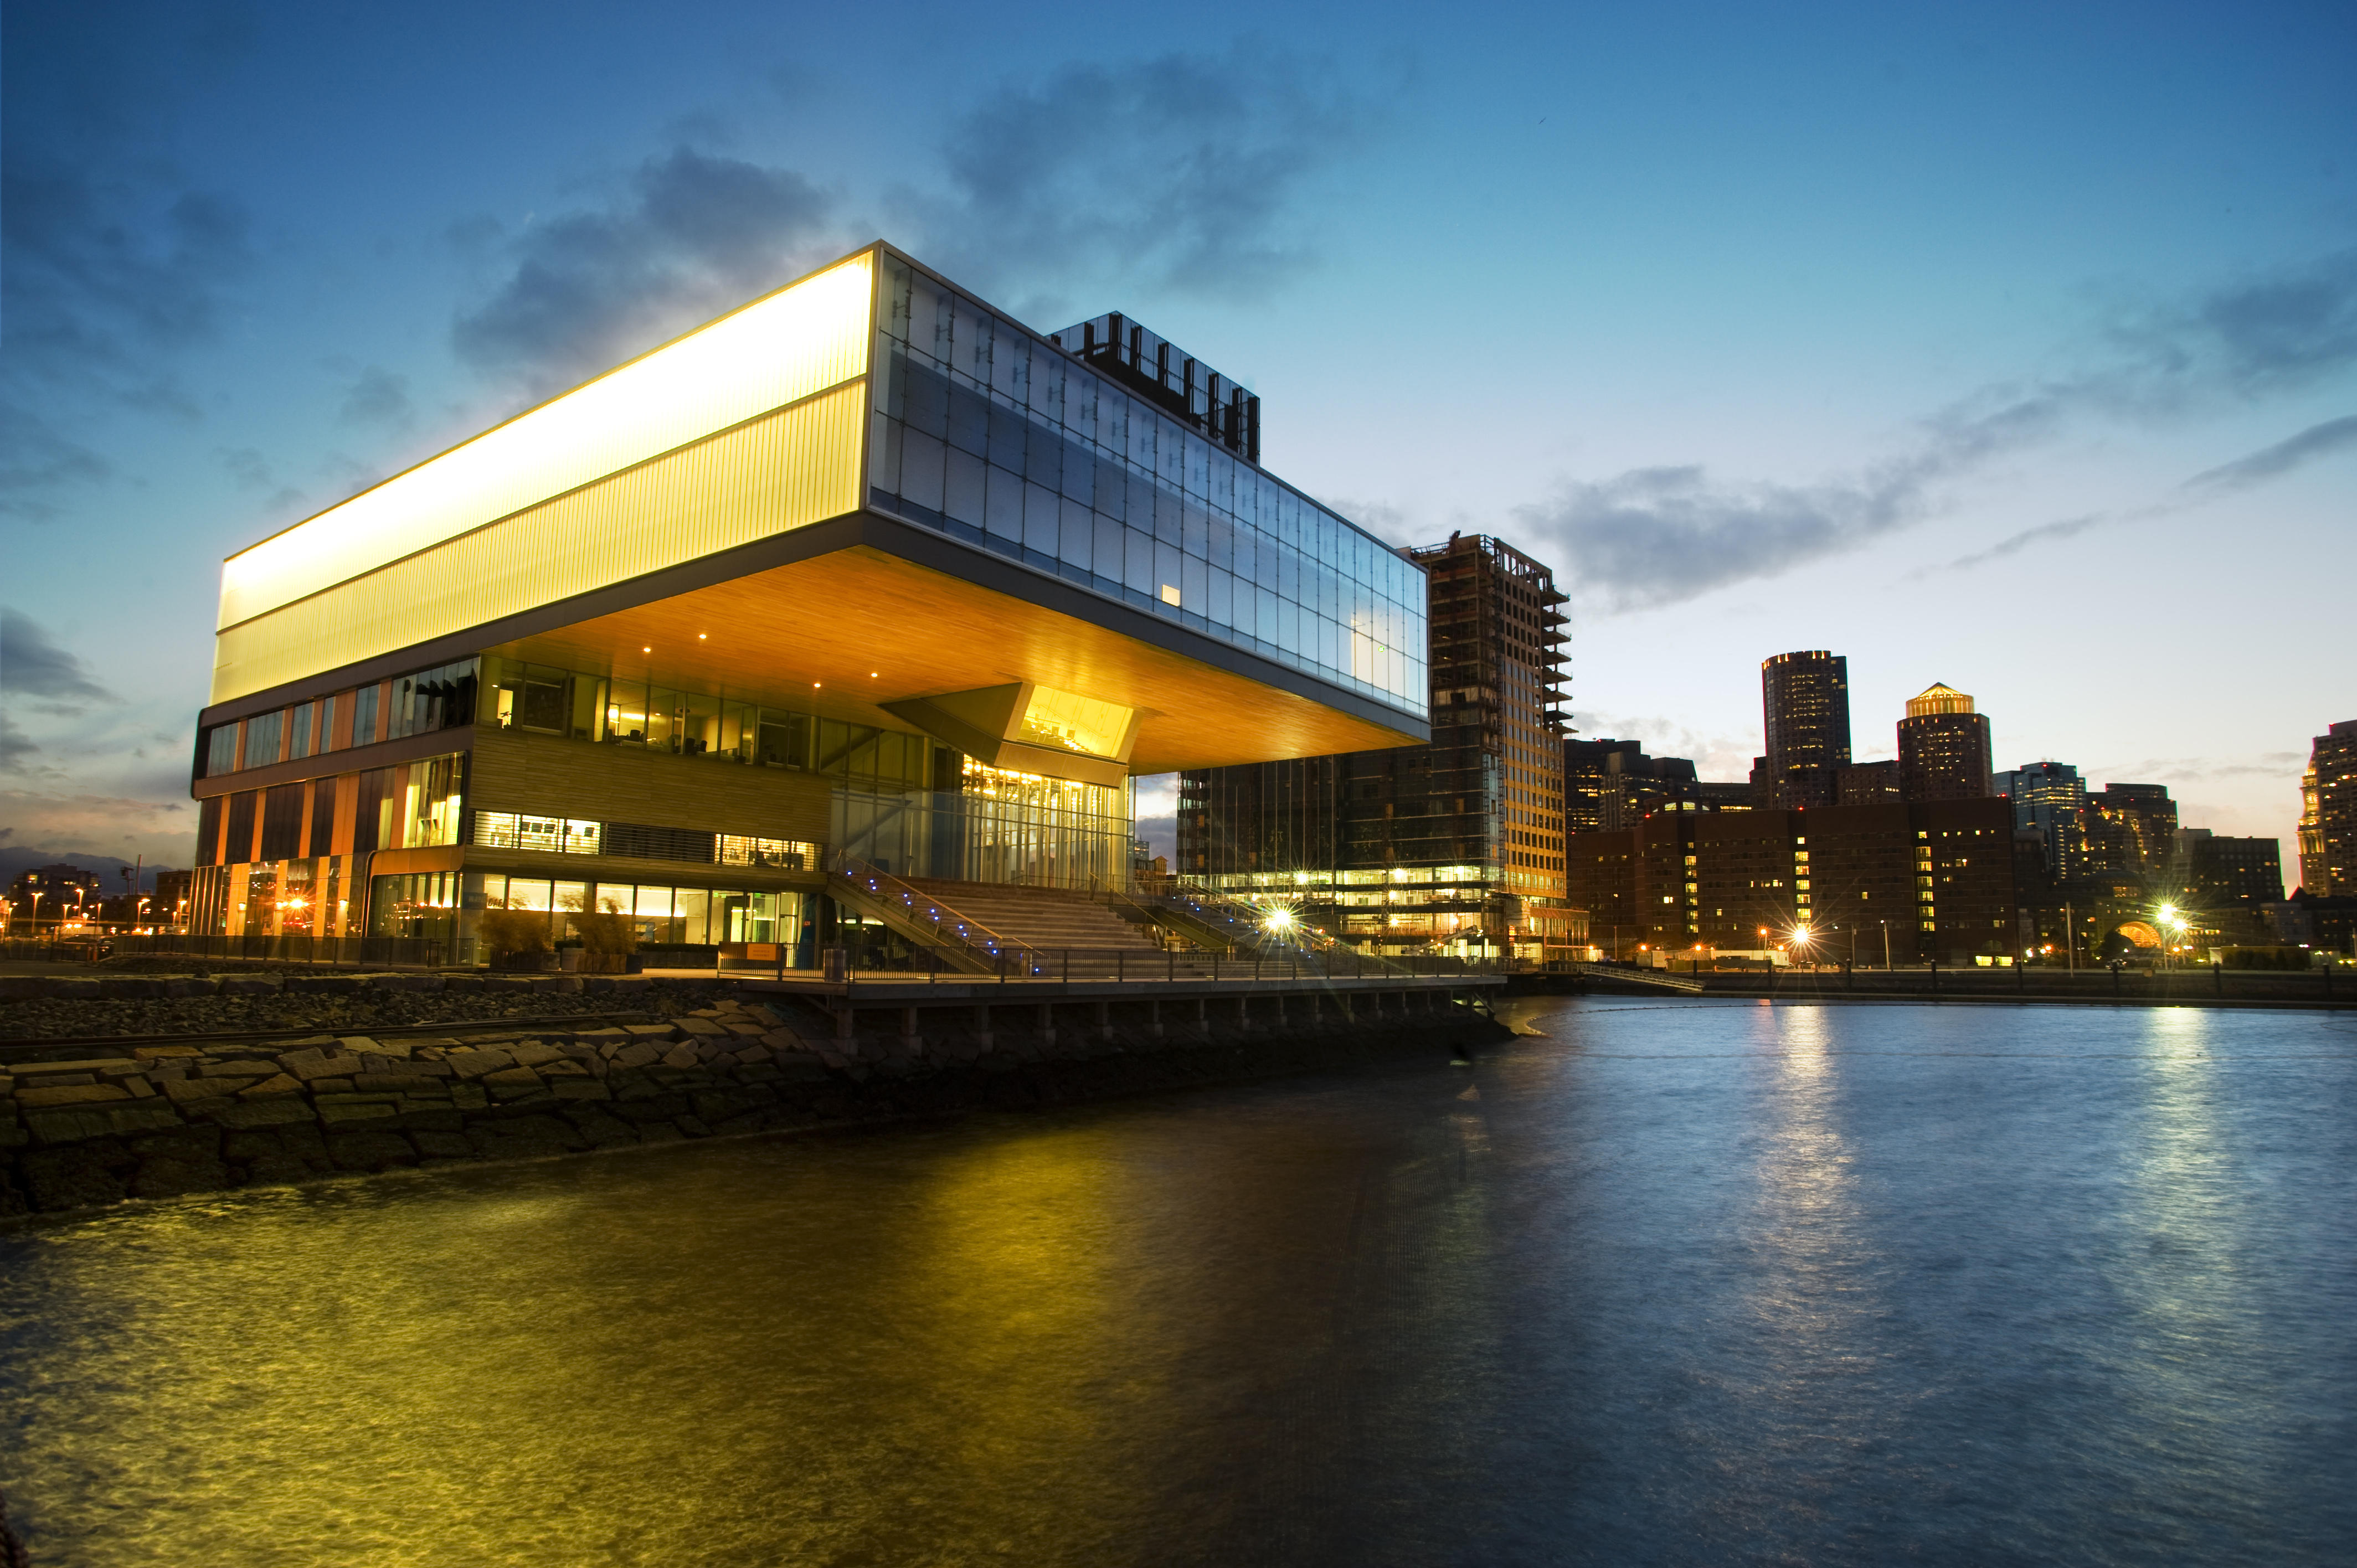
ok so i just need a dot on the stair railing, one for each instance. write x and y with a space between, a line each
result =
950 928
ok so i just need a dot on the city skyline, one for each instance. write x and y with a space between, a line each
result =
1808 351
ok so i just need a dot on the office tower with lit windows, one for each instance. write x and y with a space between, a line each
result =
1455 845
865 573
1944 748
2327 815
2052 798
2132 834
1804 699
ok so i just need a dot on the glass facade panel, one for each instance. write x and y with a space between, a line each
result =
998 439
1002 826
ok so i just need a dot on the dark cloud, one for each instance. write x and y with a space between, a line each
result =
378 397
31 665
35 461
690 236
17 748
1655 536
2255 336
1183 174
2317 441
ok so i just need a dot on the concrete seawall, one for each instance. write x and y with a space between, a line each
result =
170 1119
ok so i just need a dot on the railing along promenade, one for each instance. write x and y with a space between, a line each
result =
2190 985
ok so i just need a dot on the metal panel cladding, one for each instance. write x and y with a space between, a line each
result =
608 481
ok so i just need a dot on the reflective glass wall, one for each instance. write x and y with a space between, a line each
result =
995 436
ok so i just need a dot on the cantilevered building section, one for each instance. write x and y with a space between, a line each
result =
863 568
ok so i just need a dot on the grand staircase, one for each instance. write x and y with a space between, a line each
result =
1064 932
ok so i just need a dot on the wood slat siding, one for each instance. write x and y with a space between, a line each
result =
518 772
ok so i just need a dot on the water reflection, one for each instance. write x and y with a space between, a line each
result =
1668 1285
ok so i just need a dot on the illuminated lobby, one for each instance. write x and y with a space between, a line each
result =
863 573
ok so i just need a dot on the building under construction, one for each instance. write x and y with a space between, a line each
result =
1456 845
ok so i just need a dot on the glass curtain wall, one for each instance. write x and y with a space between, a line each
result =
1001 827
996 437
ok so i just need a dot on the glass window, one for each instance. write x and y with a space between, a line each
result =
262 733
364 704
298 741
221 751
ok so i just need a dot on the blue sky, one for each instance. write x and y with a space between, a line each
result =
2013 347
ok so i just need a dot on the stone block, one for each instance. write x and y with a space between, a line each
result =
475 1064
53 1079
581 1088
239 1070
432 1115
533 1054
325 984
506 983
692 1127
72 988
762 1012
331 1085
435 1143
190 985
524 1137
753 1053
430 1066
75 1125
176 1176
601 1036
555 984
69 1094
250 1114
638 1055
467 1097
511 1078
340 1113
563 1067
311 1064
681 1056
360 1045
139 1087
249 985
399 1083
615 981
130 985
273 1087
369 1151
694 1025
600 1131
76 1178
164 1053
187 1090
462 982
23 987
648 1031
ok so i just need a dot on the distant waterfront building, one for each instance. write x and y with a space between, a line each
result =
47 892
1804 701
1936 877
1867 784
1613 784
2050 798
865 573
2327 817
1944 748
2131 833
1456 844
2221 871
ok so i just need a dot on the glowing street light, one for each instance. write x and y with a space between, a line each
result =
1278 921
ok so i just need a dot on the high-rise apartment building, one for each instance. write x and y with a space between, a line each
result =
2327 817
2050 798
1867 784
1804 699
2131 833
2219 871
1456 845
1613 784
1935 879
863 575
1944 748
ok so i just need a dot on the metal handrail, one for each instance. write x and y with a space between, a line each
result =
1245 915
991 946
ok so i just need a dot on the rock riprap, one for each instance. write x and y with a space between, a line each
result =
175 1119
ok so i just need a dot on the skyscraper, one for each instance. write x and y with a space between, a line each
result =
1457 844
1944 748
2050 798
2327 817
2132 832
1804 699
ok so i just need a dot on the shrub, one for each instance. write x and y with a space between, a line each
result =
606 935
510 934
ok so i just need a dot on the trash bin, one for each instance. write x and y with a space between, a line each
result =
837 965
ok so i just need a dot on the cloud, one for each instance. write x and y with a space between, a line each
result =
687 237
32 665
1659 536
36 462
378 397
17 747
2255 336
1184 174
2317 441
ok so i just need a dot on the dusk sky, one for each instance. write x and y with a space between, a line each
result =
2008 346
